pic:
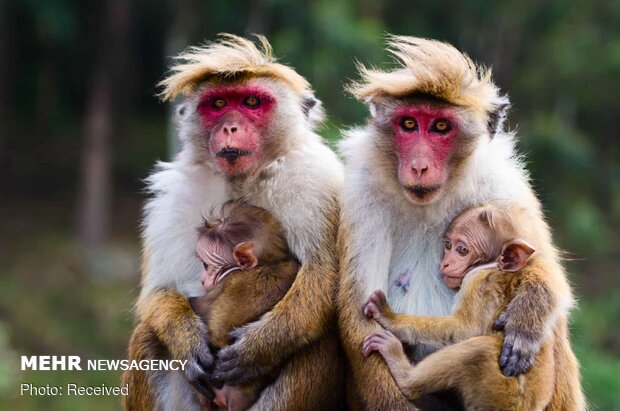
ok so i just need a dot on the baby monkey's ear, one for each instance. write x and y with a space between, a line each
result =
244 254
514 256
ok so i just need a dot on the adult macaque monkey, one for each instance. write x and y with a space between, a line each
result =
247 131
433 146
488 251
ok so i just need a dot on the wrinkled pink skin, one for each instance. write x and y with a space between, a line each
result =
208 278
237 126
423 153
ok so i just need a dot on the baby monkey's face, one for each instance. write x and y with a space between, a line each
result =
216 260
460 255
469 242
481 238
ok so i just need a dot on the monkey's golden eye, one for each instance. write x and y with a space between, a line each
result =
409 124
251 102
441 126
219 103
448 245
462 250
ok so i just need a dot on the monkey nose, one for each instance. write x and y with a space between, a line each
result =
229 129
419 168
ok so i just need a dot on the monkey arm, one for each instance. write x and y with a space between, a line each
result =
265 344
169 315
471 317
414 329
372 379
300 318
541 298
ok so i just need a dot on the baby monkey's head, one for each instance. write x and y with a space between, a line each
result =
238 237
488 236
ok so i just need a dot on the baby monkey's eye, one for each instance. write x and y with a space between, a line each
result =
462 249
448 245
251 102
219 103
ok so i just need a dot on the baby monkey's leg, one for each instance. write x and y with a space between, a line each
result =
470 367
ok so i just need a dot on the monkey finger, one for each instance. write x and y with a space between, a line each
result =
202 387
199 378
234 376
371 347
505 355
519 362
236 334
371 310
500 323
376 335
381 297
510 369
226 365
524 364
375 298
227 354
375 339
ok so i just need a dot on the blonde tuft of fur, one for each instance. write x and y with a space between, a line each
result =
434 68
230 57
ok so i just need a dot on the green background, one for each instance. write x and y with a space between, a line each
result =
77 84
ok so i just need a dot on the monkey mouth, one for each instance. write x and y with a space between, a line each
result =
214 279
422 192
231 154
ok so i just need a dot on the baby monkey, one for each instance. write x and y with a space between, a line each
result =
248 268
487 253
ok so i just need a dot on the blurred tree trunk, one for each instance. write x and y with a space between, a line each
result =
101 123
5 79
178 37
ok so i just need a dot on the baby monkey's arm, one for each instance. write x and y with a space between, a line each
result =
466 322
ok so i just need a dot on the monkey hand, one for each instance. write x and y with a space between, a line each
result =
244 361
377 307
520 347
199 366
383 342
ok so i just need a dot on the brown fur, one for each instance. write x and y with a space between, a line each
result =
244 296
241 298
433 69
298 335
470 365
142 346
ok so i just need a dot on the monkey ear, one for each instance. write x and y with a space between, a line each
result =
514 256
377 107
313 110
497 117
244 255
308 103
181 112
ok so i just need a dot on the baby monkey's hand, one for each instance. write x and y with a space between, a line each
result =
378 308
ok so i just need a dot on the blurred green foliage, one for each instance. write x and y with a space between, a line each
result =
559 60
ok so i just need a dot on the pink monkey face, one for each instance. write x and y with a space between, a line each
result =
424 139
237 118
